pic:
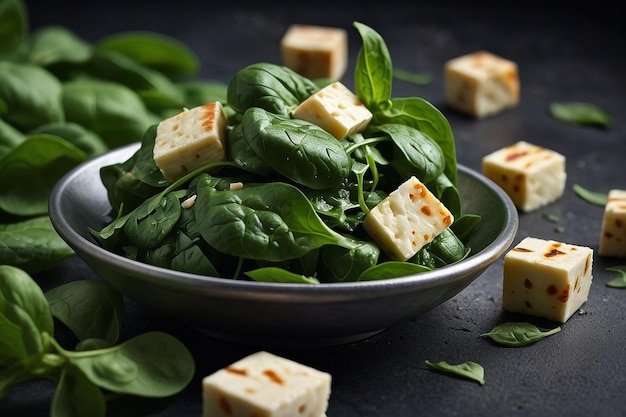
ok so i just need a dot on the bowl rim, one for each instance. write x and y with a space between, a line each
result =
441 276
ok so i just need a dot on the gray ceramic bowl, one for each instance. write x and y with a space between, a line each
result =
273 313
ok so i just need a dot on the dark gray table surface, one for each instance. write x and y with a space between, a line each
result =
569 52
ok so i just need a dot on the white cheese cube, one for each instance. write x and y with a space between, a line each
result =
613 237
190 140
263 384
335 109
407 219
545 278
531 175
481 84
315 51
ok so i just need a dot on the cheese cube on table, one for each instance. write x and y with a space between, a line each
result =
190 140
263 384
613 237
545 278
335 109
481 84
315 51
407 219
531 175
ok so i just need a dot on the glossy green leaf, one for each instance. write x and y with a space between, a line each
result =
579 113
272 274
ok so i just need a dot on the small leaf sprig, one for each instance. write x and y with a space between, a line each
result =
470 370
580 113
518 334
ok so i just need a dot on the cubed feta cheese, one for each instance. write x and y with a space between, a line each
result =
545 278
315 51
335 109
531 175
613 237
481 84
190 140
263 384
407 219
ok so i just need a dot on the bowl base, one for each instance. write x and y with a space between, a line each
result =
278 342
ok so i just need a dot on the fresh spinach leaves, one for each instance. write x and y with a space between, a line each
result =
63 100
518 334
580 113
153 364
470 370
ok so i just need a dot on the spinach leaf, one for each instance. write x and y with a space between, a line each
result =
137 366
416 153
76 396
299 150
338 264
13 25
272 221
272 274
111 110
154 88
30 171
10 137
24 316
470 370
392 269
91 309
154 50
31 95
374 72
32 245
56 44
579 113
620 281
593 197
77 135
518 334
274 88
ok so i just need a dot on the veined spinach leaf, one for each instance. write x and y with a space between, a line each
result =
338 264
30 171
24 316
10 137
392 269
32 245
91 309
271 87
77 135
374 72
272 221
518 334
76 396
299 150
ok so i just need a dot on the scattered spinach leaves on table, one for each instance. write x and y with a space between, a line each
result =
470 370
518 334
153 364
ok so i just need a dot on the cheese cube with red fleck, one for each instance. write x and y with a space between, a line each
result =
263 384
335 109
190 140
613 237
545 278
315 51
531 175
406 220
481 84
